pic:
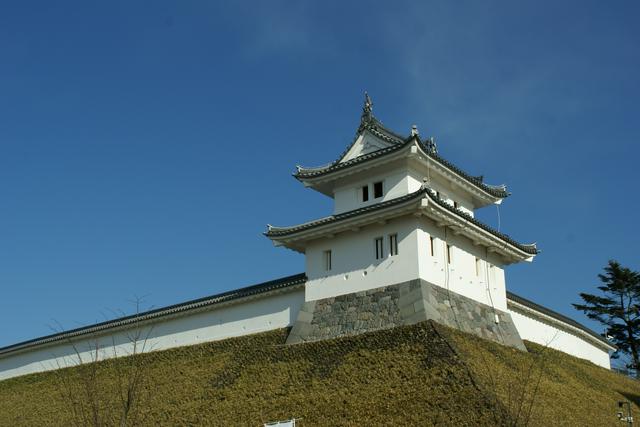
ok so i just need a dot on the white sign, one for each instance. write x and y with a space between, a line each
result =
290 423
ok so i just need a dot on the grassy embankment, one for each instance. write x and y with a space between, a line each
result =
417 375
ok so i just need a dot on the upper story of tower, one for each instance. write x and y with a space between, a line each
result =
383 177
380 165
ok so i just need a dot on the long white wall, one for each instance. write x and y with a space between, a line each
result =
278 311
534 329
243 318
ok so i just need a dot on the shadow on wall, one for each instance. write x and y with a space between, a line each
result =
383 264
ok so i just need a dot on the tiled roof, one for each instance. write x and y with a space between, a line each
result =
560 317
496 191
213 300
530 249
275 232
285 282
285 231
376 127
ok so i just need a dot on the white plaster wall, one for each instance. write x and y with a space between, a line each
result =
414 183
365 143
546 334
354 267
446 193
460 276
353 254
252 316
394 184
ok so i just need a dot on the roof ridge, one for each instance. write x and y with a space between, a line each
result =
529 248
230 295
375 126
283 231
274 231
371 124
495 190
552 313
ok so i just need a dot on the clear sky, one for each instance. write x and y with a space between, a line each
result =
144 146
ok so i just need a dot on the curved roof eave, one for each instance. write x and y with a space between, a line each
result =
372 125
275 231
309 174
280 233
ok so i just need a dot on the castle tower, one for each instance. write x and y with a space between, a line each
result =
402 213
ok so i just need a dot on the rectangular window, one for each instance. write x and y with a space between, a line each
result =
365 193
478 266
327 260
448 253
379 248
377 189
432 246
393 244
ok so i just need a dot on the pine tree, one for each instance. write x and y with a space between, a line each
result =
618 308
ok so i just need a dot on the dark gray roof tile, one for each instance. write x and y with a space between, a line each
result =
377 128
275 232
260 288
554 314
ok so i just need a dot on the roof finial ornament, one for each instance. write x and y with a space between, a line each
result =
414 130
426 183
367 108
431 145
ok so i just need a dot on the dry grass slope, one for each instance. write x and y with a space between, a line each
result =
416 375
555 388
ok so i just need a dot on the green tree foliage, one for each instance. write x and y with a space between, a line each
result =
618 308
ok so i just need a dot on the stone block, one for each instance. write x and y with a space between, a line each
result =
305 316
403 303
403 289
432 313
416 318
407 311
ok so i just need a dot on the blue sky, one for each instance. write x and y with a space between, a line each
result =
145 146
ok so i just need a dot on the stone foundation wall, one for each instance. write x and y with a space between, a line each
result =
401 304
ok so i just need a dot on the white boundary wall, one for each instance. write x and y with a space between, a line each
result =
544 330
263 313
253 315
